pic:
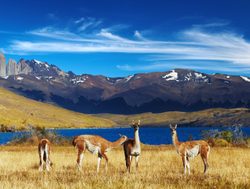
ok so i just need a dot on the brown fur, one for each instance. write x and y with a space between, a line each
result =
80 142
41 146
182 148
128 147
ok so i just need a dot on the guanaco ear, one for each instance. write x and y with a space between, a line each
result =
175 126
170 126
139 122
133 122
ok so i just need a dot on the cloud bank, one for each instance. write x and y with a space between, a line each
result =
194 44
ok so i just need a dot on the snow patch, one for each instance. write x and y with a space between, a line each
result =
245 78
200 76
172 76
118 80
188 77
228 77
41 63
19 78
48 78
129 77
79 80
38 61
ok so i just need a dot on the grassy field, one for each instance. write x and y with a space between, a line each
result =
20 112
160 167
209 117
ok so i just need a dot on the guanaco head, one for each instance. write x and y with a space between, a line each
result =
136 125
173 128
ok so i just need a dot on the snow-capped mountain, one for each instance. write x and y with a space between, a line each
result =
178 89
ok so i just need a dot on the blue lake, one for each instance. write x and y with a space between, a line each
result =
148 135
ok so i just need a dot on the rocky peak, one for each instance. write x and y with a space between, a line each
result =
12 67
40 68
23 67
2 65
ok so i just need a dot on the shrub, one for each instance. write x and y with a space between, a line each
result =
233 135
35 134
227 135
5 128
219 142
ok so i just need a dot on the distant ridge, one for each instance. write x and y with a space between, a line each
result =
174 90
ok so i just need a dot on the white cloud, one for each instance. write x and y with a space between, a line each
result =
87 23
108 35
192 44
63 35
79 20
218 23
139 36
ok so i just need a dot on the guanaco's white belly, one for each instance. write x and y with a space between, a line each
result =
193 151
94 149
136 151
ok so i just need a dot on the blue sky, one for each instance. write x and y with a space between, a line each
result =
119 38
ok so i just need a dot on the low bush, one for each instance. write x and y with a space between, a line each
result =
233 136
33 136
219 142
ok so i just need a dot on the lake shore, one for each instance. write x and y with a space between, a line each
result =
149 135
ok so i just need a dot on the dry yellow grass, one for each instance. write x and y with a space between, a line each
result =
160 167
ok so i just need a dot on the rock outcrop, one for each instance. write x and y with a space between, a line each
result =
2 66
11 67
23 67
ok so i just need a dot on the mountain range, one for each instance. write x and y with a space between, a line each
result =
174 90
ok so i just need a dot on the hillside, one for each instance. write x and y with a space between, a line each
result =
209 117
20 112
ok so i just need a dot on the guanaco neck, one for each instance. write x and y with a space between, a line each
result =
137 138
175 140
117 143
